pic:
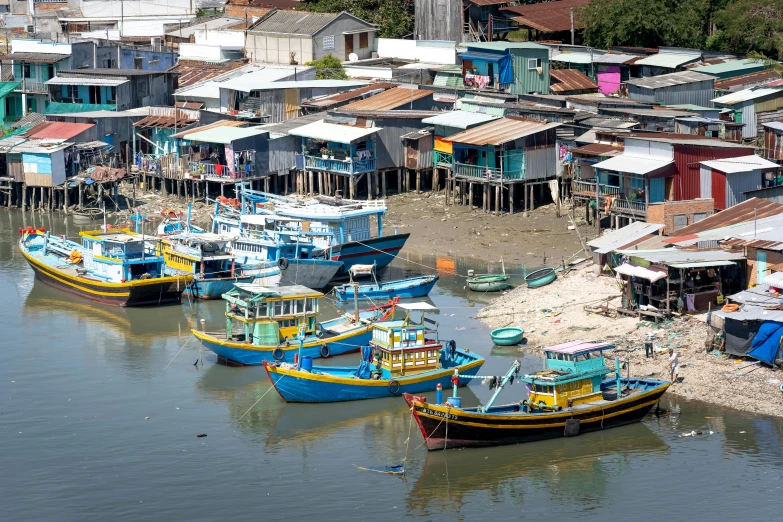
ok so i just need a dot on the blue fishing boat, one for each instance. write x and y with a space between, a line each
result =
402 357
263 324
573 394
403 288
343 226
116 266
204 257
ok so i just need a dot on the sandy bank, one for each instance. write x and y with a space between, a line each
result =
556 314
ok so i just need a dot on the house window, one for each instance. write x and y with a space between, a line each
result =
699 217
484 13
680 221
363 41
138 61
26 70
73 91
142 89
50 70
328 43
533 63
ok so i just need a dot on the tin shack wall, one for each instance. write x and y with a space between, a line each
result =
686 182
773 144
696 93
528 81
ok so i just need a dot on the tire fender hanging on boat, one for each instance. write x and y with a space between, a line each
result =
394 386
325 352
282 263
278 354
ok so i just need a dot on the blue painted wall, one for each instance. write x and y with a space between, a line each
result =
164 62
657 190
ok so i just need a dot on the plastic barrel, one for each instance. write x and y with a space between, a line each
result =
455 401
307 363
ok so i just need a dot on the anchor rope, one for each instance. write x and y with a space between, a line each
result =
180 349
264 395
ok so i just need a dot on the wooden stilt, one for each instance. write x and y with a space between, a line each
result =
470 195
369 186
418 181
383 183
498 199
484 191
511 198
435 180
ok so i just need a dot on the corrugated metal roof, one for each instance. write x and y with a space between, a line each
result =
567 80
580 58
747 95
633 164
340 97
696 141
670 80
388 100
321 130
487 2
109 82
748 210
613 58
599 149
222 22
29 121
661 113
740 164
34 57
283 128
547 17
225 135
217 124
166 121
674 255
190 73
69 108
777 125
390 114
752 313
746 79
294 22
729 66
667 60
502 46
58 130
624 236
501 131
459 119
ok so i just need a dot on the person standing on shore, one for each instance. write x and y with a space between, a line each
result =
674 365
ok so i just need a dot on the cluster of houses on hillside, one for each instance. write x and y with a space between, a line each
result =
666 136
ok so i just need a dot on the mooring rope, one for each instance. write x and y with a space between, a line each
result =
264 395
180 349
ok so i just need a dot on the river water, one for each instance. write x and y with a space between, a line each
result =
79 381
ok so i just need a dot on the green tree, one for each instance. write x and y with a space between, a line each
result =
750 25
329 68
394 18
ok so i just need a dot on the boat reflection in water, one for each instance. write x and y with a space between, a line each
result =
573 474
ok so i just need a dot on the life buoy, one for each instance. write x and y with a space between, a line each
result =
325 352
282 263
394 386
730 308
278 354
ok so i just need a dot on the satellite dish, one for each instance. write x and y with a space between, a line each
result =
353 57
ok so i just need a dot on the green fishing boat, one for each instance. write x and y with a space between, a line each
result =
508 336
540 278
489 282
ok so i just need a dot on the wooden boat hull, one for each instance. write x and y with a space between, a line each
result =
301 386
379 251
505 426
507 336
540 278
214 288
404 289
140 292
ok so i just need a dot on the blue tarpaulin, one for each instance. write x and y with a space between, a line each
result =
363 372
506 74
766 343
505 71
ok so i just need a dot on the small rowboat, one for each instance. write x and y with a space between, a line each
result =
488 282
402 288
540 278
86 215
507 336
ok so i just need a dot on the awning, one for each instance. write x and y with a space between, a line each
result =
775 279
484 57
702 264
321 130
652 273
633 164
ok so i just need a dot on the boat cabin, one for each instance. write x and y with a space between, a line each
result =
120 255
268 316
573 375
404 348
203 255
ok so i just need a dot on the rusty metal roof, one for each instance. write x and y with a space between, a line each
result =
746 79
748 210
547 17
35 57
192 105
195 72
500 131
165 122
221 123
568 80
329 101
388 100
57 130
599 149
487 2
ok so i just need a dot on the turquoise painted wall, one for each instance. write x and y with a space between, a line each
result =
657 190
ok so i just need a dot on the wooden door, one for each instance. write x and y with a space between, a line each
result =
348 45
412 154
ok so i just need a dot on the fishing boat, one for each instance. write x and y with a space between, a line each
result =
508 336
204 257
574 394
262 324
343 225
411 287
115 266
402 357
86 215
540 278
488 282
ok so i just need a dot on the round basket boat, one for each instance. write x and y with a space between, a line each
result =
540 278
87 215
507 336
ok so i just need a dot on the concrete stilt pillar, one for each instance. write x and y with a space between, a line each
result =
511 199
470 196
383 183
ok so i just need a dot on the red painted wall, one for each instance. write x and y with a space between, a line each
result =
719 189
686 160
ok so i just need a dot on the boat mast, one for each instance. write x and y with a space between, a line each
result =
511 372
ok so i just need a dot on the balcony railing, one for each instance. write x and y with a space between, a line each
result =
609 190
623 206
348 166
583 187
499 26
442 159
213 170
486 174
32 86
